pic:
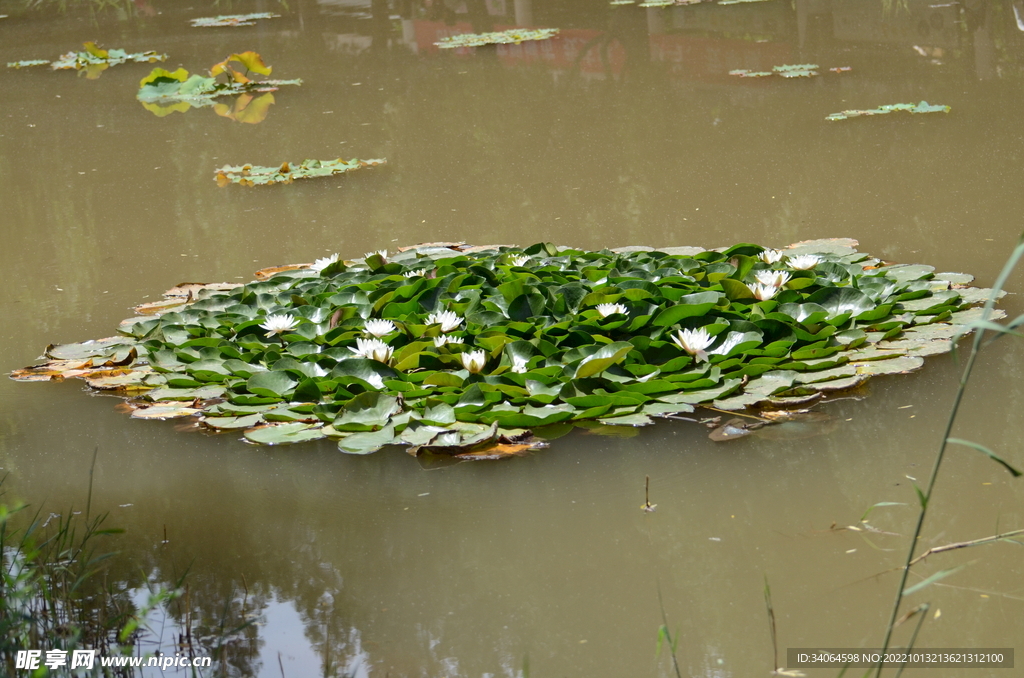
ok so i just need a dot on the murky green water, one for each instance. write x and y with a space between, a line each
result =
624 130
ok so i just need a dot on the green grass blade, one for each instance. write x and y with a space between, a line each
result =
987 452
941 574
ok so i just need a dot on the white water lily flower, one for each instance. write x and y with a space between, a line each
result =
804 262
764 292
611 309
694 342
414 274
519 365
383 254
770 256
772 278
519 259
448 320
473 361
279 323
321 264
378 327
443 339
374 349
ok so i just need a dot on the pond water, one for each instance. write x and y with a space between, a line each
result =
624 130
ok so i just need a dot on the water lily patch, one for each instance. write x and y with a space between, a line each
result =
487 351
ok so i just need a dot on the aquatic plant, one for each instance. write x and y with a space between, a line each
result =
93 60
923 107
27 63
286 173
164 92
787 71
982 325
512 36
52 596
486 352
231 20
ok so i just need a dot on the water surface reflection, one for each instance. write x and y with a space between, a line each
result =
624 130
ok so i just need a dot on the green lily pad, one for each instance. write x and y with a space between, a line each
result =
284 434
164 411
901 365
228 423
740 402
369 442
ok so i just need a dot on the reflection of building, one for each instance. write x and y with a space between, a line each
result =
710 59
921 23
356 8
347 43
705 42
770 19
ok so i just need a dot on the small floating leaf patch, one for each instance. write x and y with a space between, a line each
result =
923 107
485 351
796 70
512 36
231 20
27 63
786 71
286 173
93 60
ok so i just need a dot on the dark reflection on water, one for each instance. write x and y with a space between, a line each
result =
626 129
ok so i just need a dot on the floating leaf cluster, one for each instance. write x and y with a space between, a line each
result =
93 60
923 107
510 37
788 71
254 175
27 63
231 20
470 351
164 92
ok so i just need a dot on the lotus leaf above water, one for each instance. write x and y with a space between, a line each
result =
231 20
512 36
93 61
286 173
163 92
487 350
